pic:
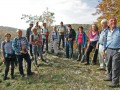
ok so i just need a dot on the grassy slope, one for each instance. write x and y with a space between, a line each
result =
58 74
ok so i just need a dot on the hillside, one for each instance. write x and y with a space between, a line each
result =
58 73
10 30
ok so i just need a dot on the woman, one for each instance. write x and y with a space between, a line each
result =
36 41
8 55
81 40
93 36
55 38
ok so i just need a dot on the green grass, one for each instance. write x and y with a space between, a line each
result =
57 74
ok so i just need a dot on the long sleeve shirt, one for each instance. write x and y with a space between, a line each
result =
17 44
101 36
71 34
55 35
112 39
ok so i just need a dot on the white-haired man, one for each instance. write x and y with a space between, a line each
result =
102 60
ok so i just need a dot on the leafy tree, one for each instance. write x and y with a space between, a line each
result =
108 8
46 17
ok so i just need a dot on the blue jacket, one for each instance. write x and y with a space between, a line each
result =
84 39
16 44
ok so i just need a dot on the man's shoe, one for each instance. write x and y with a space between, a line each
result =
30 73
78 60
86 63
101 68
113 85
107 79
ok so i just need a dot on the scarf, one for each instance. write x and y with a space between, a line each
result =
92 36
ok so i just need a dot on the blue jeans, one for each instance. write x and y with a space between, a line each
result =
37 50
80 51
69 49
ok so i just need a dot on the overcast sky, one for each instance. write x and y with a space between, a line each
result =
68 11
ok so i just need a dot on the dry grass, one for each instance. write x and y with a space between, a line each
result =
58 74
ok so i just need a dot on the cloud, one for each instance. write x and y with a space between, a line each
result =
68 11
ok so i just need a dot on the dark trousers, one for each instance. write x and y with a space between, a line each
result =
89 50
8 62
69 49
61 37
20 62
113 65
45 41
80 51
31 50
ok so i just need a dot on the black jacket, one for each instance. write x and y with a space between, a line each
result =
71 34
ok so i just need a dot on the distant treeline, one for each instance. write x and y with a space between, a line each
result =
12 31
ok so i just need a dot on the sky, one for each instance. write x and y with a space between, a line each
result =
68 11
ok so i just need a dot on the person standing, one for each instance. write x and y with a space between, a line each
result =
45 35
28 33
69 42
55 38
112 52
36 41
100 44
21 46
37 26
8 55
62 33
94 35
81 40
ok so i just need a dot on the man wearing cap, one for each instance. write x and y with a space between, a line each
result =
28 33
102 60
112 50
69 42
62 34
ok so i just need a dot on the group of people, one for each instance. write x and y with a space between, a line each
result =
105 43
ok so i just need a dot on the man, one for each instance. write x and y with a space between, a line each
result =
112 50
45 35
69 42
62 33
28 33
37 26
20 46
102 60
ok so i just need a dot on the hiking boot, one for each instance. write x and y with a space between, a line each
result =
4 78
31 73
107 79
113 85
